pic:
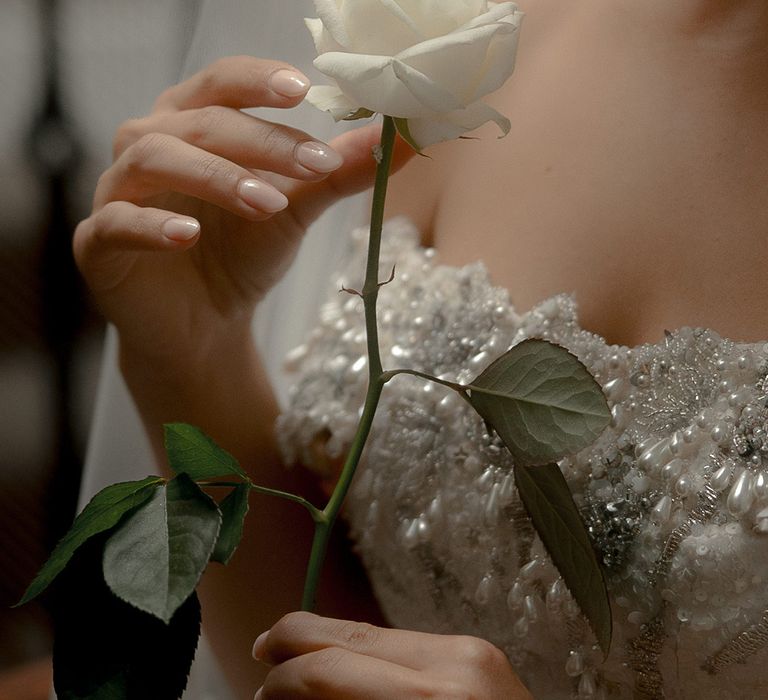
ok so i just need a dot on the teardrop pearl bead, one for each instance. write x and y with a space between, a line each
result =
721 478
662 510
740 498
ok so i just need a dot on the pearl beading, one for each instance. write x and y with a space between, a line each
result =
674 493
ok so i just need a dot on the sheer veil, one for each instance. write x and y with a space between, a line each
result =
118 449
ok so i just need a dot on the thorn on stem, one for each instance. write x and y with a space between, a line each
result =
391 277
350 291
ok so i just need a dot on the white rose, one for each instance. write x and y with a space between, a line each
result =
425 62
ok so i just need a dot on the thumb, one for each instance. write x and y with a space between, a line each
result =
309 200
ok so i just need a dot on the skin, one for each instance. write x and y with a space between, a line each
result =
634 176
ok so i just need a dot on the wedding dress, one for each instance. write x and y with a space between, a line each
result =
674 492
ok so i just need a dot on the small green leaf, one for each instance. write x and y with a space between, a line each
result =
103 512
405 133
547 498
156 557
190 451
105 649
542 402
233 509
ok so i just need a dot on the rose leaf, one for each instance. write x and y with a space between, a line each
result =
541 400
105 649
190 451
102 513
156 557
549 503
233 509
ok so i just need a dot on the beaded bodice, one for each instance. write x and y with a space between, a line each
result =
674 493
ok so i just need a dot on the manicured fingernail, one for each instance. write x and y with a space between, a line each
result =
258 645
289 83
178 229
260 195
318 157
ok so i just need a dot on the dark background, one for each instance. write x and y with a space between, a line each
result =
70 72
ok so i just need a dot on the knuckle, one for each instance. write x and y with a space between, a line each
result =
288 627
210 168
127 133
206 121
275 140
138 154
358 634
479 654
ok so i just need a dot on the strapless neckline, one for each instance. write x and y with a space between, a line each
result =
674 493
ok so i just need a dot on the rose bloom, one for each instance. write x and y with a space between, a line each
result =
425 62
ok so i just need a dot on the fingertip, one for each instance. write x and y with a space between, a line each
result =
260 646
181 229
289 82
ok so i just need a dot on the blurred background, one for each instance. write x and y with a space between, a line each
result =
70 72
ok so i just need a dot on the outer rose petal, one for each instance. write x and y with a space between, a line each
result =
378 27
370 82
324 42
455 61
438 17
444 127
328 12
329 98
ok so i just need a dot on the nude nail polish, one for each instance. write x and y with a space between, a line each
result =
260 195
289 83
318 157
181 229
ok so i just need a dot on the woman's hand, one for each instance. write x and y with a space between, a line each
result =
205 206
318 657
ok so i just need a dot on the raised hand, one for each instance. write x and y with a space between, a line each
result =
319 657
204 206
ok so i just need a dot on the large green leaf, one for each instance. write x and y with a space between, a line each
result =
548 500
233 509
190 451
105 649
542 402
156 557
103 512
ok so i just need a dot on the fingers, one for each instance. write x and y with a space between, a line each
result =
239 82
355 175
120 227
338 674
303 633
239 137
157 164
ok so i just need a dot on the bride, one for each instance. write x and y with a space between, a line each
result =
634 178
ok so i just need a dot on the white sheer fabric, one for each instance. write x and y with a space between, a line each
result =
118 449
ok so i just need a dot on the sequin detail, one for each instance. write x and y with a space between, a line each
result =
674 493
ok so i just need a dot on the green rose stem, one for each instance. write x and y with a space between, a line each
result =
325 519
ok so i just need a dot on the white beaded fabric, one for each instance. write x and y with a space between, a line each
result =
675 491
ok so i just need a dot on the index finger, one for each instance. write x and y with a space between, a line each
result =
302 633
239 82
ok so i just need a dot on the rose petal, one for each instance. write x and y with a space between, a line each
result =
330 98
424 89
370 82
499 62
444 127
435 18
496 13
328 12
324 42
378 27
455 61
